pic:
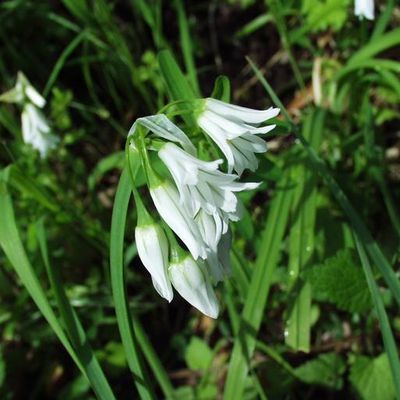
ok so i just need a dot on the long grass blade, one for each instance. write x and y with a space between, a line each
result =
124 319
186 45
254 307
73 326
387 334
301 242
13 248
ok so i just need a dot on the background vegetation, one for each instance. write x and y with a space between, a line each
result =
311 310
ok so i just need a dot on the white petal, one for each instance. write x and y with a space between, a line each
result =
210 226
245 114
191 282
166 200
152 246
230 127
219 137
364 8
161 126
36 131
34 96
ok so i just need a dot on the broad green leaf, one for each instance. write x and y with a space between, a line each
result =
372 378
341 280
326 370
198 355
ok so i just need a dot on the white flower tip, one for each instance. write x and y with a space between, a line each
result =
190 280
364 9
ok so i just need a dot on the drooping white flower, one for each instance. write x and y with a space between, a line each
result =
36 130
162 127
23 92
152 246
190 280
201 185
364 8
166 200
234 129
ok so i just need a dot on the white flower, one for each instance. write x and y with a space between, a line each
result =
36 131
162 127
22 92
152 246
166 200
234 129
364 8
201 185
191 281
35 128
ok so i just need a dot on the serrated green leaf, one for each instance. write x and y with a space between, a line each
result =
198 355
326 370
372 378
341 281
323 14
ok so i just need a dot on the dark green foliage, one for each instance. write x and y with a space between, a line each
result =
340 280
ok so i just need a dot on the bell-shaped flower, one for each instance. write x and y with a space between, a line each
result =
190 279
234 129
201 185
36 130
166 200
152 247
23 92
364 9
162 127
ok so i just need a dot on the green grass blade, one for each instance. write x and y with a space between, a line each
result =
11 244
186 45
277 11
62 60
153 359
360 228
222 89
383 20
25 185
387 334
72 325
301 242
124 319
78 8
177 85
376 46
371 63
253 311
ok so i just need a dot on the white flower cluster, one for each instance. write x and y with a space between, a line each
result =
35 128
199 201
